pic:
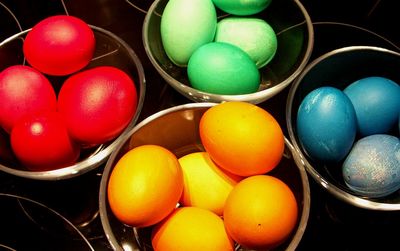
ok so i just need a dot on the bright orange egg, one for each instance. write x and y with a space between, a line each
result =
242 138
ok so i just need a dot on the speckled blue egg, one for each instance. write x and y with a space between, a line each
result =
372 167
223 68
326 124
376 101
242 8
253 35
185 26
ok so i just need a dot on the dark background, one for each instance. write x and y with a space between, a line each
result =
333 225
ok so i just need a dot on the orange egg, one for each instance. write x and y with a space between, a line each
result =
145 185
191 228
260 212
242 138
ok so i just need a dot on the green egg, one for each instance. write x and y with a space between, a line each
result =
241 7
185 26
253 35
222 68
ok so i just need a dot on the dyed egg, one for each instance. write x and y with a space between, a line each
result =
59 45
97 104
222 68
41 142
372 167
185 26
326 124
240 7
23 91
253 35
376 101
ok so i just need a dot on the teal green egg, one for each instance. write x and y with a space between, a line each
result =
253 35
242 8
185 26
223 68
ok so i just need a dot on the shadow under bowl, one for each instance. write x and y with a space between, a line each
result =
110 50
295 35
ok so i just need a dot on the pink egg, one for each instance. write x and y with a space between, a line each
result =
97 104
59 45
23 91
41 142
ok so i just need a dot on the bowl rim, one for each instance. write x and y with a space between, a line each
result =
256 97
100 154
103 210
331 188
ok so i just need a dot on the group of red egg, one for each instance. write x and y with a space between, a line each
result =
48 129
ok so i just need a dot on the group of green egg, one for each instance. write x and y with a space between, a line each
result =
222 55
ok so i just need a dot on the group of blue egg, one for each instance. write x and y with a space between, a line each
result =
355 126
222 56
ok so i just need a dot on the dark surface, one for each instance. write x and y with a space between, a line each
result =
333 225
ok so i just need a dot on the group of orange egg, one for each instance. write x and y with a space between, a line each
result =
211 199
47 129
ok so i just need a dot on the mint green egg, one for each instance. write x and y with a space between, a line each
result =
242 7
185 26
253 35
222 68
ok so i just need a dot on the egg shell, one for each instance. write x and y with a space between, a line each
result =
97 104
222 68
42 142
376 101
242 8
59 45
185 26
372 168
23 91
326 124
253 35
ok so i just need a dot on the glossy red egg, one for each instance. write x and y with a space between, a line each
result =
59 45
23 91
97 104
41 142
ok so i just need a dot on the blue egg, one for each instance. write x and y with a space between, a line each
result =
372 167
326 124
376 101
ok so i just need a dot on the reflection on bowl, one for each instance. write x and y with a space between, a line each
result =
111 51
339 68
176 129
295 35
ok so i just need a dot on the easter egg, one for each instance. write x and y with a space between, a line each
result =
241 8
253 35
222 68
41 142
326 124
59 45
372 167
97 104
376 101
145 185
23 91
185 26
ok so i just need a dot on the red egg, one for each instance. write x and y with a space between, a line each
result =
97 104
41 142
59 45
23 91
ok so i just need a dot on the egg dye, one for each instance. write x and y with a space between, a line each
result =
222 68
376 101
185 26
326 124
372 167
253 35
